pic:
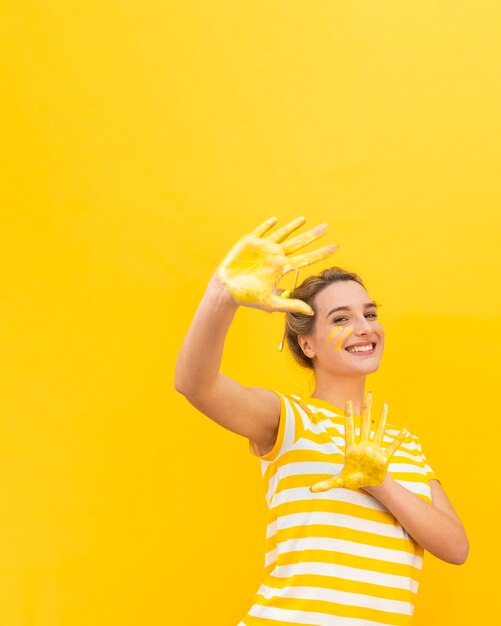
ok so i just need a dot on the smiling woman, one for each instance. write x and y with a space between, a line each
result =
349 519
298 325
354 314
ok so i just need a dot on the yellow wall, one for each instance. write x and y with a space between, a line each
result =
139 141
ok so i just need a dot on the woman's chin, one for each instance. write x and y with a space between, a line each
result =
366 368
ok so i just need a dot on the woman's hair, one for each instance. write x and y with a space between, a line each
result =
300 324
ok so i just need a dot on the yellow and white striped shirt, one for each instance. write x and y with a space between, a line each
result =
337 558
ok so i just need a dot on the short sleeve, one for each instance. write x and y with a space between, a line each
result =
430 473
290 426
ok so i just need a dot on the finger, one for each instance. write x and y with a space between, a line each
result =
312 257
392 448
286 230
286 293
366 416
279 303
378 437
349 426
340 334
266 225
325 485
305 238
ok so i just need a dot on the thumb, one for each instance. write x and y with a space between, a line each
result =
285 304
325 485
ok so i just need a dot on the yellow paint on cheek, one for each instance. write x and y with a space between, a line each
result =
333 333
339 334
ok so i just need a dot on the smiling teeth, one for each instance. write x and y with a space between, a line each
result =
360 348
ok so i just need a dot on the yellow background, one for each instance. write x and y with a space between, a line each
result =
140 140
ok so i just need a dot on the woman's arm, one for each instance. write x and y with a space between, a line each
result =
435 526
248 275
249 411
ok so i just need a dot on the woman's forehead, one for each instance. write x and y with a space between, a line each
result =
342 293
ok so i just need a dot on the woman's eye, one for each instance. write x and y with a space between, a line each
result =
339 320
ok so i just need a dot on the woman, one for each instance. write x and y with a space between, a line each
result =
347 529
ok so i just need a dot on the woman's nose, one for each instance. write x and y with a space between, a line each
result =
362 327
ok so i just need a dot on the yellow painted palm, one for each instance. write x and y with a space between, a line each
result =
253 267
366 462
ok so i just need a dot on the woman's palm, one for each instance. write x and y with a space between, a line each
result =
254 266
366 462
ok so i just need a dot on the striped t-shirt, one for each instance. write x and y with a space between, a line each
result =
336 558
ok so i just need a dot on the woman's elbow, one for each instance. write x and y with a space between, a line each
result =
184 388
463 553
188 387
182 383
460 551
178 385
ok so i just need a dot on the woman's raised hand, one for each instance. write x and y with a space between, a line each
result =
365 462
255 264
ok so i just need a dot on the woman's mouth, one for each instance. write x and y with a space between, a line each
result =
362 349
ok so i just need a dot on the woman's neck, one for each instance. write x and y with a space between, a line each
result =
337 391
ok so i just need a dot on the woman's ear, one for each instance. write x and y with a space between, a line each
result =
304 344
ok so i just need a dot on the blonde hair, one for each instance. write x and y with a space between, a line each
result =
299 324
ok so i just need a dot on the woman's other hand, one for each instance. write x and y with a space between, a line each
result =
366 462
255 265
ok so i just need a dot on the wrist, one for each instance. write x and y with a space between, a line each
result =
375 490
218 291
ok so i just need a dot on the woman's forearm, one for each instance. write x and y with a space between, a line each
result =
433 529
201 353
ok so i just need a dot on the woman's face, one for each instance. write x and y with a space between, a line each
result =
345 303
